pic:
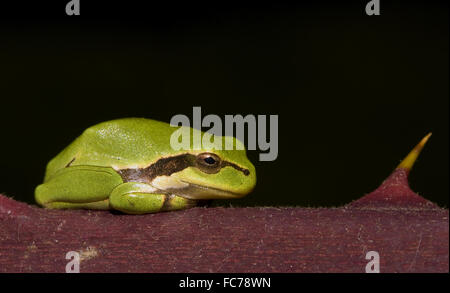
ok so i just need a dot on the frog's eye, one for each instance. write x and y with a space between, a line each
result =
208 162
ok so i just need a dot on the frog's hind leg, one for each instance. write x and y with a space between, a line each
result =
74 187
96 205
141 198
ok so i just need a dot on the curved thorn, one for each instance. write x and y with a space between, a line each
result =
411 158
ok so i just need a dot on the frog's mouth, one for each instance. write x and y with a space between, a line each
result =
195 191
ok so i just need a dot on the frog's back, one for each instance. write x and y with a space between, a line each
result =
121 143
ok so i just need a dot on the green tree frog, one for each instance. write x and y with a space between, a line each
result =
129 165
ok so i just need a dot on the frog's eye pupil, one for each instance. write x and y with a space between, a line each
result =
210 160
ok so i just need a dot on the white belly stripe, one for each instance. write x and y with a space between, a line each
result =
168 182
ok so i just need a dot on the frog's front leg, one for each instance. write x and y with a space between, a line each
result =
141 198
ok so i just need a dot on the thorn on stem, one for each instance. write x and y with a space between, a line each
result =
411 158
394 192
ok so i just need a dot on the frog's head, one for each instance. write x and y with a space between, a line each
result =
213 174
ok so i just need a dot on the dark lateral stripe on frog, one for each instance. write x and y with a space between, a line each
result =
168 166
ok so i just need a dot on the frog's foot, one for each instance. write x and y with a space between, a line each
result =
78 187
141 198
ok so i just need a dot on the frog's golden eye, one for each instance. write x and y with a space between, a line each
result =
208 162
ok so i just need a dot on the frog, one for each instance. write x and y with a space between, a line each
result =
128 165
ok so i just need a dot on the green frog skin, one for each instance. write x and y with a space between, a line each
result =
128 165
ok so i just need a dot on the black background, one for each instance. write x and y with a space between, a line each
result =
353 93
